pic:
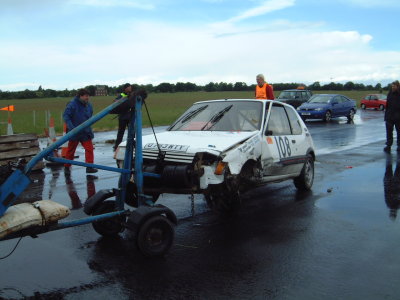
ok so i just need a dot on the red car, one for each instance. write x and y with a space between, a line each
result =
376 101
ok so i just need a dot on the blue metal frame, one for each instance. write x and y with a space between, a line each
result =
19 180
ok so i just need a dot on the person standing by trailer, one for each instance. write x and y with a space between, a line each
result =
78 110
392 116
263 89
123 118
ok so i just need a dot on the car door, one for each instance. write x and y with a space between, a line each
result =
337 106
368 101
279 146
347 105
300 141
374 101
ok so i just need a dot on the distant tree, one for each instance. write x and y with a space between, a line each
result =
359 86
348 86
210 87
191 87
316 86
91 89
180 87
239 86
49 93
164 87
378 87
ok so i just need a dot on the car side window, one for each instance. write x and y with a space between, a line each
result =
278 123
294 121
344 100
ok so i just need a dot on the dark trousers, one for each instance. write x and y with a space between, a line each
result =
389 132
122 125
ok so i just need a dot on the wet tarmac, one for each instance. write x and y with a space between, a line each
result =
338 241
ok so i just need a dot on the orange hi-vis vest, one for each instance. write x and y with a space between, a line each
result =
261 92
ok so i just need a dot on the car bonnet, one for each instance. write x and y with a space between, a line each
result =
213 142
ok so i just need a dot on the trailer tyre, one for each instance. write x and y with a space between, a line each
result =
109 227
155 236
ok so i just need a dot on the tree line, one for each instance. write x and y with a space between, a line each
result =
188 87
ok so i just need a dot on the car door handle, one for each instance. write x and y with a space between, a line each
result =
294 141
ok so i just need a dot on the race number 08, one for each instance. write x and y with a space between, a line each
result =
283 145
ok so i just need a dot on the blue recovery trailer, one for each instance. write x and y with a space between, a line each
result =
152 225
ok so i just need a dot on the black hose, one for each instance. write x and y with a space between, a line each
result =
15 247
152 127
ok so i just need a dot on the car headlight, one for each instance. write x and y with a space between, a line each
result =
299 108
319 109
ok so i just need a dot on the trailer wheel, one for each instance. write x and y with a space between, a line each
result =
108 227
155 236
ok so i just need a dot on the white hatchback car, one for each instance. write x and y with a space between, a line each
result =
221 148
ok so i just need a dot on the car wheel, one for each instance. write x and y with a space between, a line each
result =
156 236
305 180
351 114
381 107
363 106
225 197
223 201
328 116
108 227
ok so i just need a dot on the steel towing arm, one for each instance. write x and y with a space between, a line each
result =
153 225
19 179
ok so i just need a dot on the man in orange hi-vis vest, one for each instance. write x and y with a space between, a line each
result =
263 89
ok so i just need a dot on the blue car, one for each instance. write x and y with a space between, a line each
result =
328 106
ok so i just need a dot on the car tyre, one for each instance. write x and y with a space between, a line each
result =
305 180
155 236
108 227
381 107
328 116
363 106
351 114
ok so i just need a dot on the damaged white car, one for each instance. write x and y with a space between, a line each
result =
221 148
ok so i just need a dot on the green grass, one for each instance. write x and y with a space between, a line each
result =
164 108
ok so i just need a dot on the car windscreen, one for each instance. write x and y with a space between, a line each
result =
221 116
289 95
320 99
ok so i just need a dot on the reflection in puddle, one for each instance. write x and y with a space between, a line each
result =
391 184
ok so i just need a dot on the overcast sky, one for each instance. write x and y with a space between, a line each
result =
69 44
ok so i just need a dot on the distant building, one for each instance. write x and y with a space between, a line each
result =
101 90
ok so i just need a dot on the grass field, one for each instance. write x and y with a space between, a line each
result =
30 114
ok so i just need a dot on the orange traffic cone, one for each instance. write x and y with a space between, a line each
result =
52 136
9 127
52 132
64 147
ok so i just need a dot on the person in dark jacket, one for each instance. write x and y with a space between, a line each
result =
123 118
392 116
78 110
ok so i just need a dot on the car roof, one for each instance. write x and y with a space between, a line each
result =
295 90
222 100
253 100
378 94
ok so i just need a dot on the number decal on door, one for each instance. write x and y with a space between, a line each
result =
283 145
